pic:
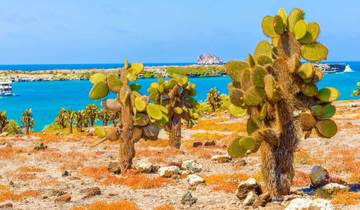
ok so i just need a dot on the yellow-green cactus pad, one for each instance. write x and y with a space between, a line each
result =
314 52
328 94
141 119
254 96
251 126
268 26
100 132
263 112
279 25
140 104
236 111
99 90
182 80
114 83
236 95
300 29
306 71
326 128
309 90
263 48
251 60
270 88
241 146
323 111
282 14
313 32
135 87
294 16
136 68
318 74
154 112
97 77
263 60
258 75
178 110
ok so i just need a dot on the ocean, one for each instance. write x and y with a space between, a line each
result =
46 98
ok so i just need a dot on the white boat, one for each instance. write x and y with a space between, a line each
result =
5 88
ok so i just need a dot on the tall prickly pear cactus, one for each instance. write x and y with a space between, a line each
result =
71 116
105 117
176 94
27 121
3 121
61 118
92 113
280 96
357 91
214 99
138 117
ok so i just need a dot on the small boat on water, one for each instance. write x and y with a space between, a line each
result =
5 88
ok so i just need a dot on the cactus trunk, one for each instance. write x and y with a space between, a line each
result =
175 133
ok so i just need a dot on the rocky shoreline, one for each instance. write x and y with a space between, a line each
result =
84 74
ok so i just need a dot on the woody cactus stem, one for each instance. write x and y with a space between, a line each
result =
214 99
280 96
138 117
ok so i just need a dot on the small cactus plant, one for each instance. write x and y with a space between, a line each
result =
3 121
357 91
92 113
71 116
176 95
27 121
61 118
105 117
280 96
79 120
214 99
138 117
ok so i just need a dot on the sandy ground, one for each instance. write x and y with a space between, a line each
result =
34 179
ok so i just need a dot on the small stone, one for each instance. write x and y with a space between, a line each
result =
188 199
63 198
194 179
3 134
58 193
250 198
114 167
6 206
197 144
246 186
66 173
332 188
209 143
144 167
169 171
91 192
262 200
307 203
192 166
241 162
221 158
39 146
319 176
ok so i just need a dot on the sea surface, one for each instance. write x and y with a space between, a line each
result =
46 98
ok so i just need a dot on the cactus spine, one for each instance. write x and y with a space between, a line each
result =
273 86
214 99
138 117
27 121
176 95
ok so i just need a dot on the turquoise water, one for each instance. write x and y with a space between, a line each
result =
46 98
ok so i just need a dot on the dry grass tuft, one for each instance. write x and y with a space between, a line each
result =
7 153
218 125
11 196
158 143
95 172
225 182
30 169
139 181
346 198
165 207
116 205
303 157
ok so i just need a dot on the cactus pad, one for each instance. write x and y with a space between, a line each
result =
313 32
114 83
258 75
97 77
328 94
263 48
100 132
270 88
251 126
326 128
314 52
235 68
140 104
306 71
236 111
263 60
307 121
282 14
323 111
318 74
236 95
279 27
154 112
268 26
99 90
300 29
254 96
309 90
141 119
241 146
294 16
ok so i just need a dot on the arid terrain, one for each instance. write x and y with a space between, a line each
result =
67 172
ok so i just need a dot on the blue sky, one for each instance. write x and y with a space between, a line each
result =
106 31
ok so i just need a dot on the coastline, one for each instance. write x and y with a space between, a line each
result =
193 70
